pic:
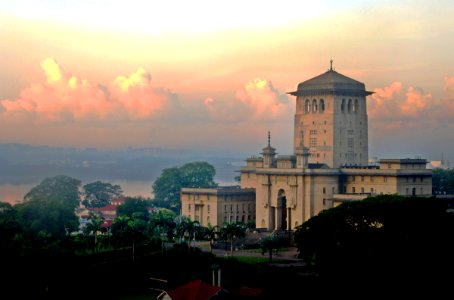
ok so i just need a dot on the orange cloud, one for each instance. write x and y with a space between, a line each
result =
391 108
257 100
63 97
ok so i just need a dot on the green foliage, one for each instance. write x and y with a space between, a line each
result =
10 229
232 231
48 208
137 207
442 181
162 222
167 186
62 188
378 234
98 194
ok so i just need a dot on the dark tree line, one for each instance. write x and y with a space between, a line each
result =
382 241
442 181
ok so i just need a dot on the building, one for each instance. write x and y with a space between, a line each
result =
330 163
216 206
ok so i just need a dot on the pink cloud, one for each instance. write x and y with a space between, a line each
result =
64 97
390 108
257 100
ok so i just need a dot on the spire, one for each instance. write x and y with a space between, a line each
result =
269 139
331 65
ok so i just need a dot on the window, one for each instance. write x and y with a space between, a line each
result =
225 208
350 143
362 190
324 190
353 190
313 142
349 106
362 178
343 105
189 207
355 106
314 105
385 179
307 106
322 105
208 208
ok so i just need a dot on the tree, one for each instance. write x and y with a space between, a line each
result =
94 226
232 231
442 181
162 222
167 186
133 206
380 237
99 194
270 243
187 227
49 207
10 228
61 187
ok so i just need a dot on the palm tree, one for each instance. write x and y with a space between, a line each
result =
94 225
187 227
120 228
213 231
230 231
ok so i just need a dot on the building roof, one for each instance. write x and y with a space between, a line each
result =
106 208
333 83
194 290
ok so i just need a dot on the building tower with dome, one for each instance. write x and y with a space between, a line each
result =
329 165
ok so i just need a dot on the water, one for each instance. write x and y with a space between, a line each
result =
14 193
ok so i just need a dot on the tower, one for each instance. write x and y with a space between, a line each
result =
331 117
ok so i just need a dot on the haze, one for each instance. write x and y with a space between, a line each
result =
214 76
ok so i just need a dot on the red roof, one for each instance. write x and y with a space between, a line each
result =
106 223
194 290
106 208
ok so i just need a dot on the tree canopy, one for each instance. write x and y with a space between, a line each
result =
98 194
61 187
134 208
380 237
442 181
49 208
167 186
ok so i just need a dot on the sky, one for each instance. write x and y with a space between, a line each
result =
214 76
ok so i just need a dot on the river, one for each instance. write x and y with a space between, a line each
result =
14 193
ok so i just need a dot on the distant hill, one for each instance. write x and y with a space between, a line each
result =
21 163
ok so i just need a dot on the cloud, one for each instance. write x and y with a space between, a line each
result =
64 97
256 101
393 107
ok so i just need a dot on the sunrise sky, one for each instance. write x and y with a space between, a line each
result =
214 75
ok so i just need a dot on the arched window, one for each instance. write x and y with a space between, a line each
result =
307 106
322 105
349 106
314 105
343 105
355 106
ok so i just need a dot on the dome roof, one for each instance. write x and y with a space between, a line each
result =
333 83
